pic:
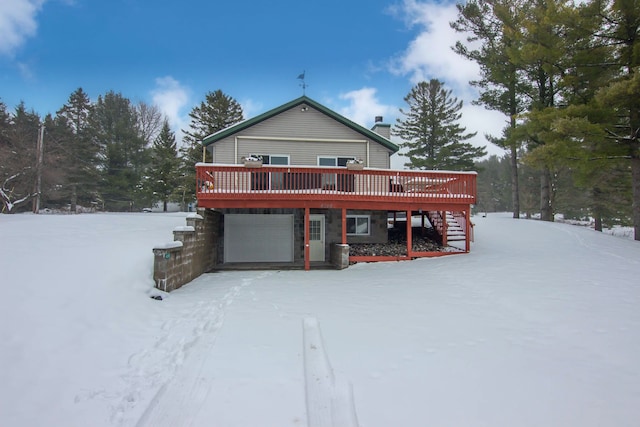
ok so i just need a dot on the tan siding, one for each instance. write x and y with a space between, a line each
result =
302 153
379 156
223 151
313 128
307 124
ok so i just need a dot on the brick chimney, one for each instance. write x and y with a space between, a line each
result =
381 128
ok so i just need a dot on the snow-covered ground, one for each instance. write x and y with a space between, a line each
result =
538 326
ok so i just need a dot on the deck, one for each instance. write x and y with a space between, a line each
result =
238 186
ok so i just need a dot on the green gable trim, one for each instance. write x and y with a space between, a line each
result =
239 127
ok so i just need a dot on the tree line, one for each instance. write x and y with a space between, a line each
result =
567 76
113 155
107 154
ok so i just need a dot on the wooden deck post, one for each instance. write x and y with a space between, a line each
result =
307 262
409 237
344 226
445 226
467 234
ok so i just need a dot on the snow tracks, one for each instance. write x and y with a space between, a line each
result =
329 399
187 381
178 401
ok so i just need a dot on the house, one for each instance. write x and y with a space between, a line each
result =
296 185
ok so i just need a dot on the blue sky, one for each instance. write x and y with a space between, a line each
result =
360 57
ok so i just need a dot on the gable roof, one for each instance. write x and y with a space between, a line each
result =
238 127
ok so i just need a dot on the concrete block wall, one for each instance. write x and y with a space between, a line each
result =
190 254
378 230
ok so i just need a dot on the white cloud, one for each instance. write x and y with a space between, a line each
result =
486 122
429 55
251 108
363 107
17 23
171 98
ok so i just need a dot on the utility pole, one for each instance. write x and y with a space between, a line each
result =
39 160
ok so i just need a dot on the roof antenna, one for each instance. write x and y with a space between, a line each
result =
303 85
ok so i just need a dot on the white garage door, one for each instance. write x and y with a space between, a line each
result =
258 238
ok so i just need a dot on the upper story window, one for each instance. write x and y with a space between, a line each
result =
331 181
333 161
266 180
274 159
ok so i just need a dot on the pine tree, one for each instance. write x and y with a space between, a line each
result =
431 132
123 154
6 165
80 159
163 175
217 112
491 26
543 58
18 150
571 143
494 184
622 96
55 163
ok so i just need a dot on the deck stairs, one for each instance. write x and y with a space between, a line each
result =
455 230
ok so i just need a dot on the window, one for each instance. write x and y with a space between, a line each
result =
269 159
358 225
332 181
270 180
315 229
333 161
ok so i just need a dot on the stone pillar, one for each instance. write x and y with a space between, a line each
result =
167 266
340 256
192 252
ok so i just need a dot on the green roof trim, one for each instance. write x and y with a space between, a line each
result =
238 127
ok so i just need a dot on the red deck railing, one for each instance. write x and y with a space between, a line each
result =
217 183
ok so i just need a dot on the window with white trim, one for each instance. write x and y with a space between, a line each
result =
358 225
273 159
270 180
334 161
330 180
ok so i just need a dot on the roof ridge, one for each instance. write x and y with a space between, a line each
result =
210 139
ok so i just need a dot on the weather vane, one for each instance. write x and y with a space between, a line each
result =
303 85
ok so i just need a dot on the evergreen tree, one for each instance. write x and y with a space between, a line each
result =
6 166
494 184
571 142
594 120
492 26
163 175
543 58
217 112
529 189
431 132
55 169
5 128
622 96
18 151
80 159
123 153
